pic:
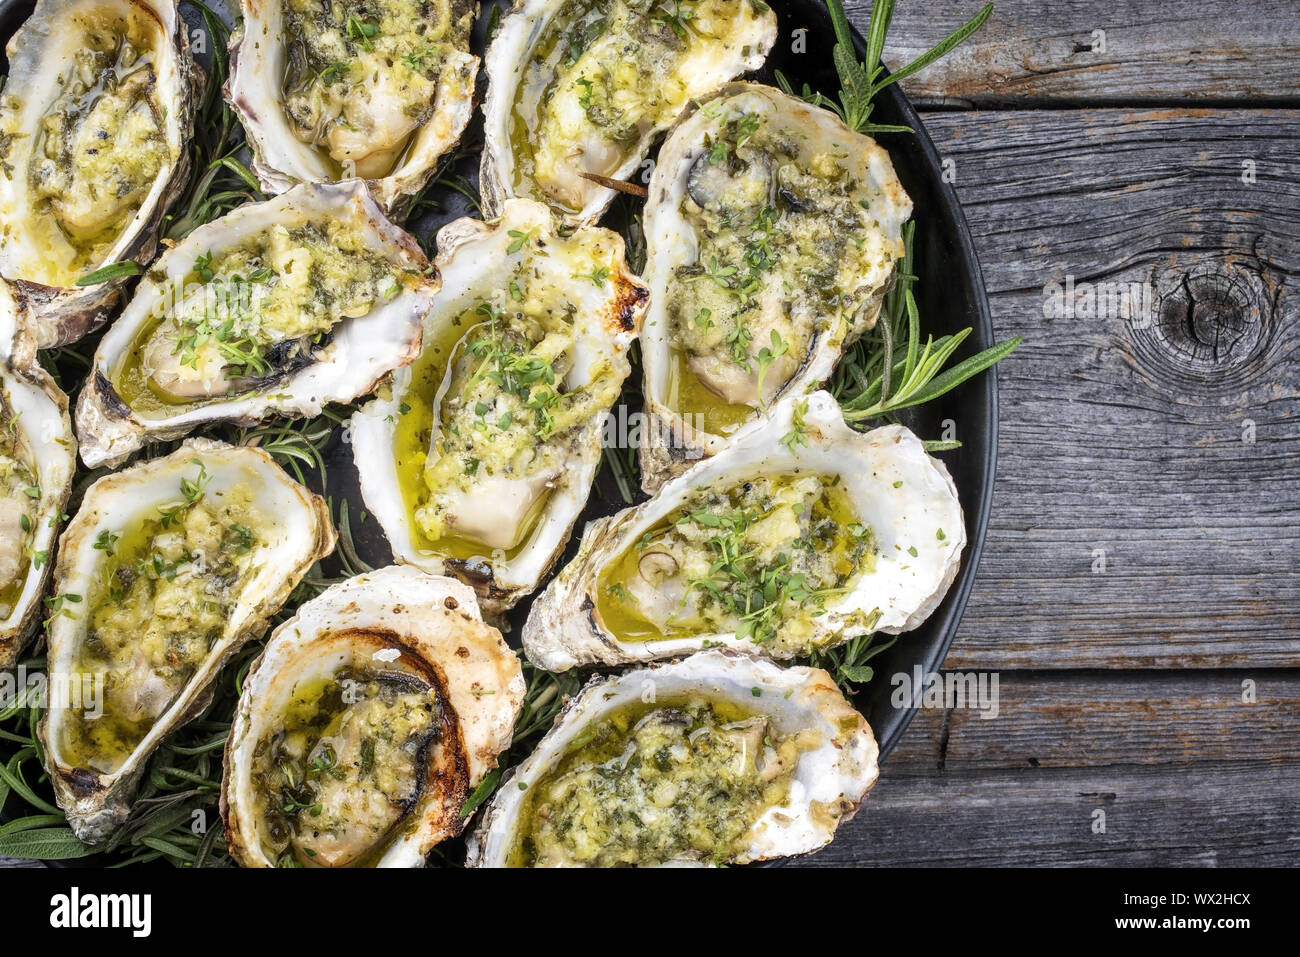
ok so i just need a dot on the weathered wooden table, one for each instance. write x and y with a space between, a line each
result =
1139 596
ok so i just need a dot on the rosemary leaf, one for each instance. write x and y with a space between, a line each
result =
964 370
109 273
940 50
481 793
44 844
941 445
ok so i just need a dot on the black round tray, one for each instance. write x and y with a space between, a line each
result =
949 293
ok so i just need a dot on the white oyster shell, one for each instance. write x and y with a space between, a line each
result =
360 353
259 61
722 39
476 262
831 780
38 423
820 141
16 346
905 496
394 618
36 259
297 533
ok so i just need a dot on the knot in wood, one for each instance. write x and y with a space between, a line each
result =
1210 327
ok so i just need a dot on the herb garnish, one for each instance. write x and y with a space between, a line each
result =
674 17
861 81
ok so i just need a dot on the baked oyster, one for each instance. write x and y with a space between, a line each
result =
380 90
365 725
581 88
95 122
800 535
717 759
166 570
479 456
772 233
37 462
276 308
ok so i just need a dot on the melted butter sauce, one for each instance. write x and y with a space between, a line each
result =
683 778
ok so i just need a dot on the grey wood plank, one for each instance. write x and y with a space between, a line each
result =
1112 719
1167 441
1186 772
1237 813
1033 52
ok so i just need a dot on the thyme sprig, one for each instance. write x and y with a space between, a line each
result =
848 662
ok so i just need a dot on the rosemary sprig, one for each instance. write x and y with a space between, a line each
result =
621 463
467 189
861 81
174 818
299 446
218 147
892 369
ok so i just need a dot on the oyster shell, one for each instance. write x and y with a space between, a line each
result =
37 462
276 308
802 534
478 457
396 658
584 87
168 568
718 758
329 91
95 123
17 349
772 233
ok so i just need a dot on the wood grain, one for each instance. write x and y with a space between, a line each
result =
1032 53
1186 772
1110 720
1169 442
1232 814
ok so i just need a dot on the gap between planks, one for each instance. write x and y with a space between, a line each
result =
1184 771
1147 506
1038 54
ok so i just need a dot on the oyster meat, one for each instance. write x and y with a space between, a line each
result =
366 723
800 535
720 758
581 88
276 308
380 90
772 232
95 122
37 462
168 568
478 457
